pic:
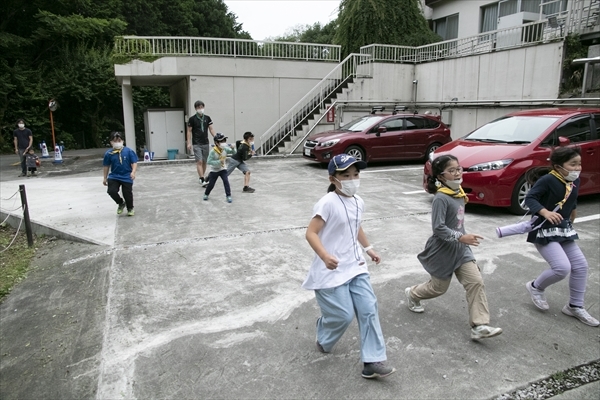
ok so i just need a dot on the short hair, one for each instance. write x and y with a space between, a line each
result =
248 135
20 120
198 103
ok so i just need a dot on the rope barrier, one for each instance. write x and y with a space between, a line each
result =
14 238
11 196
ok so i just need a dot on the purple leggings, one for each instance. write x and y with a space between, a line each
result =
564 258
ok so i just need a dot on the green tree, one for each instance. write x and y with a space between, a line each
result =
398 22
62 50
316 33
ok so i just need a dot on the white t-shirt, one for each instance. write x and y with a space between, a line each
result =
339 236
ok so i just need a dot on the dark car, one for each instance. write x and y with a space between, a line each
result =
496 156
380 138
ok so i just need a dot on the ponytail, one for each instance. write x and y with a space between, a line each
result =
331 188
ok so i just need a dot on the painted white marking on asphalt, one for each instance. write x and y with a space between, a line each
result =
588 218
372 171
415 192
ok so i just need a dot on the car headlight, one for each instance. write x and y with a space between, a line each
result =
490 166
329 143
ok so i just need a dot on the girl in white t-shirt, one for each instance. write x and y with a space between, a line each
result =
339 274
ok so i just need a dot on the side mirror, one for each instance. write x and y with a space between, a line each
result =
563 141
380 130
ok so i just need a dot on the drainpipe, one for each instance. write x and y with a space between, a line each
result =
415 84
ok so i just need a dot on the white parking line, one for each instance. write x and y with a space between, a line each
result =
371 171
588 218
415 192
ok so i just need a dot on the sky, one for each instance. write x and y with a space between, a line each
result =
270 18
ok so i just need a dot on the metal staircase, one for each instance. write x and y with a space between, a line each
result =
314 102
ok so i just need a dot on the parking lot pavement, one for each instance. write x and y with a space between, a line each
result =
202 299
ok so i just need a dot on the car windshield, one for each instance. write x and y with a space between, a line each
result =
516 130
362 123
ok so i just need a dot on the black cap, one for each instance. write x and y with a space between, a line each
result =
219 137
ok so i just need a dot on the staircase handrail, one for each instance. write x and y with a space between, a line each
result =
307 134
299 111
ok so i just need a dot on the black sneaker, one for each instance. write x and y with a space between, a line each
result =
248 189
377 370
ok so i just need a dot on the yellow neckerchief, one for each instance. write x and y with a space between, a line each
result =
568 187
454 193
118 151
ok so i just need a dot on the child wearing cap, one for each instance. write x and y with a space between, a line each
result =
122 162
339 274
217 161
244 153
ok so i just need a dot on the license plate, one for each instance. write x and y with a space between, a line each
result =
307 152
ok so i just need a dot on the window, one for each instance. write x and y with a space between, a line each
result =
576 129
415 123
447 27
392 125
508 7
489 18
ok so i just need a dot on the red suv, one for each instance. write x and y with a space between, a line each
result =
379 138
496 156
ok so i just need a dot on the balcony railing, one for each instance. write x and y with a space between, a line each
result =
527 34
157 46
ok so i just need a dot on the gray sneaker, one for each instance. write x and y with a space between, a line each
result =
413 305
537 296
376 370
484 332
581 314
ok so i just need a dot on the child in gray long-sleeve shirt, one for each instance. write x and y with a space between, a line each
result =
447 251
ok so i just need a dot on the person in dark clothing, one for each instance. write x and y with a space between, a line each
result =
199 125
244 153
23 139
554 198
32 161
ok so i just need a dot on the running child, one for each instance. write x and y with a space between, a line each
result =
554 198
447 251
122 162
216 160
238 160
339 274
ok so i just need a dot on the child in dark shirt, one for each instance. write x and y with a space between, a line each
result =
32 161
244 153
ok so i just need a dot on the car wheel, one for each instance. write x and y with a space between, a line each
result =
517 200
355 152
432 147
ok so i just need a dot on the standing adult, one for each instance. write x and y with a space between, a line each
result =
199 125
23 139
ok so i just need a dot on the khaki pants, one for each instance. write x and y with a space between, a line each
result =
469 276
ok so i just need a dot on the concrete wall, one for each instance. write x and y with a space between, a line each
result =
240 94
520 74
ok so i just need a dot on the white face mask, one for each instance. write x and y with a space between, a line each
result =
200 111
454 184
573 175
223 145
349 187
117 145
21 126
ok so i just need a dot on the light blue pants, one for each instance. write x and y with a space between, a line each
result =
338 307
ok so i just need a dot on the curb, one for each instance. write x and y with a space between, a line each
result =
39 229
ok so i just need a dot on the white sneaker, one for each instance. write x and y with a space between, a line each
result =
537 296
413 305
581 314
484 332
